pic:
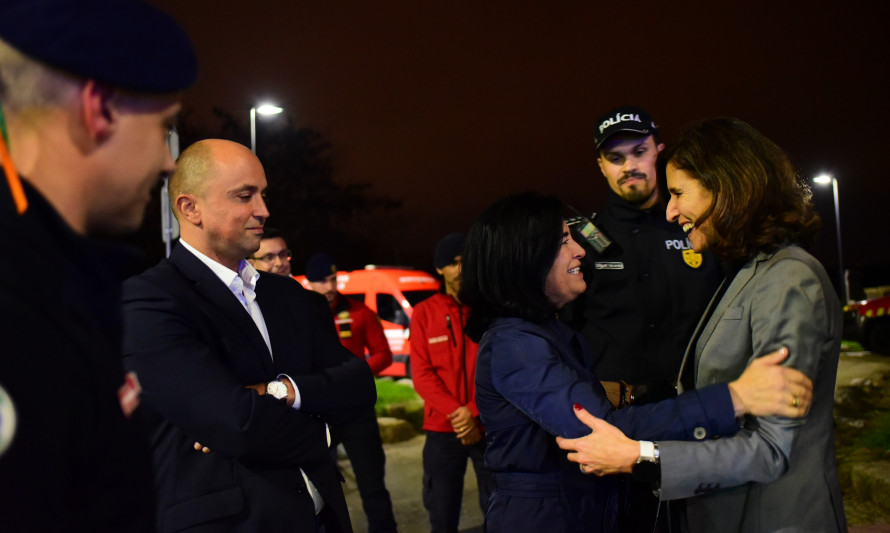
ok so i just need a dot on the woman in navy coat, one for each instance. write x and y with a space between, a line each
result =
520 267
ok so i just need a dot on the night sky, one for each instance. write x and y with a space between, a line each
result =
450 105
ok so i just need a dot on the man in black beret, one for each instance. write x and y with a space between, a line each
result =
89 92
443 365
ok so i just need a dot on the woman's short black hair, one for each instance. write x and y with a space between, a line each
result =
508 254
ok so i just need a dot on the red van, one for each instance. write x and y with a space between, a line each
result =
392 293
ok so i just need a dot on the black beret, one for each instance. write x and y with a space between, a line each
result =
125 43
320 266
451 246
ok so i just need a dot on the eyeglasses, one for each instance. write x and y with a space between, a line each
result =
284 255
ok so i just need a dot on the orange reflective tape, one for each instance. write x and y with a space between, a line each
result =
12 178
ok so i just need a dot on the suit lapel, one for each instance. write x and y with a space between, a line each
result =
279 323
738 283
209 286
684 381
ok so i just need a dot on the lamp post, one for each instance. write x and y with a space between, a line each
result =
262 109
825 179
169 224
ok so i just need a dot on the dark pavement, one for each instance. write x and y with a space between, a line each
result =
404 472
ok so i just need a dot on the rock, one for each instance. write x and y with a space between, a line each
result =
871 481
394 429
852 401
409 411
855 423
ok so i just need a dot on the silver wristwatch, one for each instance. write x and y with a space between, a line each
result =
277 390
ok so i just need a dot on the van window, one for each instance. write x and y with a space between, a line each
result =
415 297
389 309
360 297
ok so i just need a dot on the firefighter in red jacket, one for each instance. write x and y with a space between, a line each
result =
359 328
357 325
443 365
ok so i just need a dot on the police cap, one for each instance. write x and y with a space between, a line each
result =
626 119
125 43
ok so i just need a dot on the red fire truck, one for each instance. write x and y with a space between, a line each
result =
872 319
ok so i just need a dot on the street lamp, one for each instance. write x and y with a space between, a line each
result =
825 179
262 109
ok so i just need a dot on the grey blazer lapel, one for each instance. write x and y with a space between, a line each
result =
739 282
694 340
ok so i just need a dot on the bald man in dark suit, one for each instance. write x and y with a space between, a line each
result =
240 365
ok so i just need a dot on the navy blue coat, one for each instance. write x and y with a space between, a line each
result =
528 377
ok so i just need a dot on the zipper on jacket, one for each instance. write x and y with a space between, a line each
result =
451 330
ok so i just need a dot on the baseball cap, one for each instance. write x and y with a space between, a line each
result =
624 119
126 43
320 266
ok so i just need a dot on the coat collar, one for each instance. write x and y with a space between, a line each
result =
211 287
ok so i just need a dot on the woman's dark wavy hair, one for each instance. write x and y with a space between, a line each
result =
507 256
758 202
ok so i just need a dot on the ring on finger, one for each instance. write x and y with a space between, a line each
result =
795 401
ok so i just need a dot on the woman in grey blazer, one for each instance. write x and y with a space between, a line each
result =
735 193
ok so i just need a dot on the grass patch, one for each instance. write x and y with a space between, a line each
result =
393 392
878 433
851 346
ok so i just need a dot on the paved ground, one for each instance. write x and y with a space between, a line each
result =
858 365
404 470
403 479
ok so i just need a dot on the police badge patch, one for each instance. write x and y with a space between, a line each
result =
692 258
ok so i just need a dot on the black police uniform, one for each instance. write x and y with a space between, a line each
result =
644 296
74 463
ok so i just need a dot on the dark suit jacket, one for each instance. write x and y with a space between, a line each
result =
195 347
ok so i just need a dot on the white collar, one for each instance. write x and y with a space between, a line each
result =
248 274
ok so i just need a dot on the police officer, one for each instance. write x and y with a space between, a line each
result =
89 91
645 291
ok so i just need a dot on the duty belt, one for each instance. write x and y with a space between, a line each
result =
619 393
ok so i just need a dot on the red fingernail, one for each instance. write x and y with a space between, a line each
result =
577 407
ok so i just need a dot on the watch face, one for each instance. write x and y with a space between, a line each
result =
277 389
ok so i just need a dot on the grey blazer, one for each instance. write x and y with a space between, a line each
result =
775 474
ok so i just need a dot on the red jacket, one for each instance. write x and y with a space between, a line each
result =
443 360
358 328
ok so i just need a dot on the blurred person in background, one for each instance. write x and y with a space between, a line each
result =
273 255
361 333
443 365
